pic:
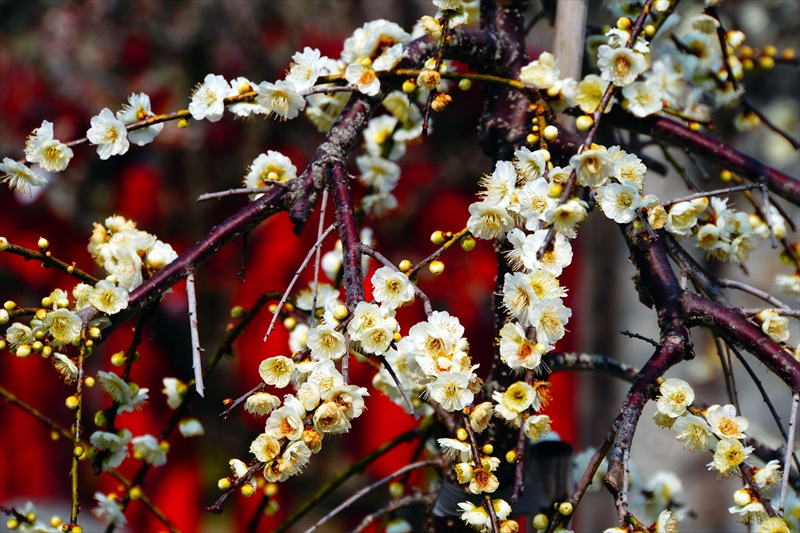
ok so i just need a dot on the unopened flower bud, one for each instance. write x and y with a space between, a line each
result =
623 23
550 133
509 526
94 332
3 244
437 237
540 521
288 307
37 346
565 508
554 91
468 243
726 175
487 449
247 490
432 27
12 523
78 451
340 312
766 62
183 123
224 483
4 317
405 265
465 84
555 190
409 86
290 323
71 402
23 351
584 122
9 305
62 303
742 497
436 267
396 490
649 30
531 138
118 359
511 456
100 419
42 244
237 312
55 521
46 352
272 308
135 493
462 434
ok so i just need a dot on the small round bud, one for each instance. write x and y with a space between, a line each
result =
78 451
637 225
9 305
71 402
436 267
584 122
12 523
135 493
409 86
290 323
465 84
42 244
37 346
270 489
487 449
555 190
766 62
396 490
660 6
511 456
396 336
47 352
742 497
70 269
288 307
247 490
118 359
164 446
183 123
532 139
694 126
89 343
100 419
55 521
41 314
649 30
4 316
540 521
462 434
550 133
237 312
437 237
23 351
272 308
770 50
39 335
63 303
76 529
3 244
468 243
405 265
340 312
554 91
726 175
788 54
660 380
2 344
565 508
55 435
623 23
224 483
94 332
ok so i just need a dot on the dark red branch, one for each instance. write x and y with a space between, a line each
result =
338 182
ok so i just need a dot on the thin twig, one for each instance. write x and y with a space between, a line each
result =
238 482
767 122
365 490
704 194
640 337
426 302
789 449
76 436
303 265
246 190
403 393
733 284
677 166
522 440
408 500
783 312
765 397
324 204
197 362
726 369
768 214
50 261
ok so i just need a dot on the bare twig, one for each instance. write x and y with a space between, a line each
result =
677 166
365 490
409 500
197 362
49 261
703 194
246 190
789 449
403 393
323 206
640 337
235 484
303 265
426 302
733 284
240 400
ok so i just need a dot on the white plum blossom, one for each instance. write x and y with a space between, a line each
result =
500 185
774 325
619 202
676 396
516 350
530 165
694 432
391 288
488 221
451 391
49 153
245 108
378 173
108 298
160 255
63 325
592 167
643 98
554 260
109 134
390 57
326 343
280 99
589 93
148 450
136 110
724 422
208 98
534 201
620 66
366 40
305 69
272 166
566 217
364 78
541 73
549 318
276 371
378 137
108 510
19 176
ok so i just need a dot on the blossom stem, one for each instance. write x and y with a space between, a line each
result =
76 439
247 190
426 302
238 482
438 253
717 192
789 450
733 284
240 400
409 500
49 261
